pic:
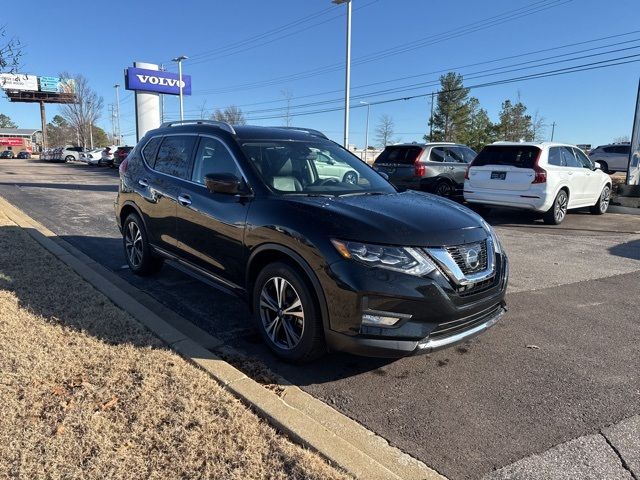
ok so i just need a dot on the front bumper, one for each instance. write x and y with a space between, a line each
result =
434 313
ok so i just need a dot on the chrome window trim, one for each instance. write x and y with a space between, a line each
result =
451 269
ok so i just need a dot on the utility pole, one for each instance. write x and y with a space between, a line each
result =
43 121
179 60
366 131
162 69
347 82
117 87
113 123
431 120
553 130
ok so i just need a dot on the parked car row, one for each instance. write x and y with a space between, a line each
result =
111 156
12 154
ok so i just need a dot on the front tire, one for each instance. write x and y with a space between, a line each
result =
558 211
443 189
286 314
602 204
350 177
137 250
69 158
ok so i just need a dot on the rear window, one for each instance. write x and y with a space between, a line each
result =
516 156
400 154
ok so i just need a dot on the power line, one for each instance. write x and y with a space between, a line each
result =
546 74
467 29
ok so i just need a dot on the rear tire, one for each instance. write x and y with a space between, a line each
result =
69 158
350 177
443 189
558 211
602 204
605 167
296 337
137 250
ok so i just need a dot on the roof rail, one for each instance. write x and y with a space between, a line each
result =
310 131
214 123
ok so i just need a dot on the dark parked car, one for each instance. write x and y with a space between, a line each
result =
24 154
119 155
325 264
430 167
7 154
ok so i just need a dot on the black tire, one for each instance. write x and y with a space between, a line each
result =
443 189
604 166
306 343
602 204
558 211
137 251
350 177
69 158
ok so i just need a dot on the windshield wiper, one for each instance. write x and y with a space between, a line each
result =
353 194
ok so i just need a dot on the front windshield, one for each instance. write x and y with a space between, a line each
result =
312 167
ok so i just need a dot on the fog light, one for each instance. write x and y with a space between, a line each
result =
373 318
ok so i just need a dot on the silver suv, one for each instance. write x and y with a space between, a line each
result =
613 157
431 167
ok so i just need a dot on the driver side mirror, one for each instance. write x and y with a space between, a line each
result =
597 166
226 183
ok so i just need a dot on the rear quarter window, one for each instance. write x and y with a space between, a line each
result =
399 155
512 155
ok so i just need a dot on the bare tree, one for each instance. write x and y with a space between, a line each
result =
10 52
287 112
622 139
86 110
538 127
385 130
203 109
231 114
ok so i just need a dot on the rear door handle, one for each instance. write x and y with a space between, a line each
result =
184 200
143 183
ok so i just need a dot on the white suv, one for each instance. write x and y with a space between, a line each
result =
545 177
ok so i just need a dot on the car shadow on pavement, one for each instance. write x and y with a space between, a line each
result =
67 186
627 250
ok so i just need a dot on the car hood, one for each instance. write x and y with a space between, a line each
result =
408 218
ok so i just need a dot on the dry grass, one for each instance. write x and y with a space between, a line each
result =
87 393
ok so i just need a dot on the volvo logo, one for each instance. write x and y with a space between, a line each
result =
170 82
472 258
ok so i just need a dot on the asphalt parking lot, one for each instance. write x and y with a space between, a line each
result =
563 363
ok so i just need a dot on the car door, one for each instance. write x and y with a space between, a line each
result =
619 160
593 178
457 154
211 225
159 185
576 175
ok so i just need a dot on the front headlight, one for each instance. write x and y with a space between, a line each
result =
494 237
400 259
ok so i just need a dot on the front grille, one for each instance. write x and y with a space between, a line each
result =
470 257
478 287
457 326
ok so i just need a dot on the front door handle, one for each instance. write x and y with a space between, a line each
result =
184 200
143 183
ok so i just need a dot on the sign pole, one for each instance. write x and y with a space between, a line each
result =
43 120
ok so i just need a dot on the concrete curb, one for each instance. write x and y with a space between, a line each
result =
303 418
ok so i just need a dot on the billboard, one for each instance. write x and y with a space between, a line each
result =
57 85
633 174
156 81
18 81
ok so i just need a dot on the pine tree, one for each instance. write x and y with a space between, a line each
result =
452 111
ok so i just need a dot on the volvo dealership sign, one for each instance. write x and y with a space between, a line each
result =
156 81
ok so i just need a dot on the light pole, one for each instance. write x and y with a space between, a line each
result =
366 131
347 82
117 87
179 60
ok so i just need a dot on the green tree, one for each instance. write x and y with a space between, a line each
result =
100 137
451 115
5 122
59 132
515 124
479 130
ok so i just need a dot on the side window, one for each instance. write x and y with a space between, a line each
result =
623 149
213 157
468 154
583 159
454 154
150 150
437 154
555 158
174 155
609 149
569 158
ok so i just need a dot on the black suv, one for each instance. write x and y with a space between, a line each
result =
325 264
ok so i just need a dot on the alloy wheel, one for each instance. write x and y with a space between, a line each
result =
605 198
560 207
351 177
444 189
133 244
281 313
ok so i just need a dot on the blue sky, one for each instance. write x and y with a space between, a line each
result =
220 37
